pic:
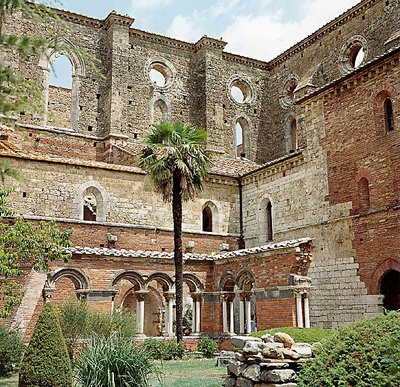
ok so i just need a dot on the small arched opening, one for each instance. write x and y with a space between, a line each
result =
390 288
160 111
207 219
388 111
363 194
241 138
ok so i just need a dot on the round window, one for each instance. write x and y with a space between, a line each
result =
287 93
240 91
160 74
353 54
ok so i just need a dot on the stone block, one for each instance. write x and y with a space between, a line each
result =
240 341
303 349
278 376
236 368
242 382
230 382
281 337
252 372
273 365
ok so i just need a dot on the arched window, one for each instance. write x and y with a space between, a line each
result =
241 138
268 221
60 92
388 110
363 194
160 111
390 288
207 219
89 207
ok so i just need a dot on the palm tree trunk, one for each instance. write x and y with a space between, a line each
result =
178 257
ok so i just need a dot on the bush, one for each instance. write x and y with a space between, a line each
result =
78 321
113 361
11 350
360 354
46 361
163 350
207 346
300 335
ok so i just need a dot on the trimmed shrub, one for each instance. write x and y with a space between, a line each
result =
207 346
300 335
114 361
46 361
11 349
163 350
364 353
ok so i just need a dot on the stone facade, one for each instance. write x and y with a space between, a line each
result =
319 159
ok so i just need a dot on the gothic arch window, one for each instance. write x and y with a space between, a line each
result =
390 288
363 194
91 202
242 129
291 133
159 111
266 232
388 111
209 217
56 97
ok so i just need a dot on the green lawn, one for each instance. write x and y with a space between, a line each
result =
176 373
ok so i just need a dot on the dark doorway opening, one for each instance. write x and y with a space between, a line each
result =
390 288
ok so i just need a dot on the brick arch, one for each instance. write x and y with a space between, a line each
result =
244 276
193 282
380 271
77 276
132 276
162 278
386 91
226 276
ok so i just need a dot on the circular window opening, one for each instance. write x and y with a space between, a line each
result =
357 55
160 75
240 91
290 88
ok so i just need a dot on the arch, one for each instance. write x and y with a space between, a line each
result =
245 278
77 276
132 276
163 279
266 220
214 212
380 271
65 47
227 281
382 104
193 282
363 194
159 109
288 90
242 129
101 197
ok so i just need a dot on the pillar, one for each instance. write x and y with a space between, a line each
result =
193 314
224 315
241 315
231 318
140 296
306 311
169 313
198 317
299 310
248 315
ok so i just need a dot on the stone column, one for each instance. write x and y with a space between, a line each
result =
140 296
241 314
248 315
193 314
231 318
169 313
299 310
306 311
224 315
198 317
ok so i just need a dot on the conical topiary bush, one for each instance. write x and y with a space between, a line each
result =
46 362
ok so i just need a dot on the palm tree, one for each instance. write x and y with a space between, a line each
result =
175 158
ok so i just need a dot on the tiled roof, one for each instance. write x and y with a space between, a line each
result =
103 251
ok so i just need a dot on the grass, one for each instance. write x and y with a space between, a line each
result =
191 373
176 373
300 335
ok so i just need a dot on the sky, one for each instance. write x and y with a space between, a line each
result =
260 29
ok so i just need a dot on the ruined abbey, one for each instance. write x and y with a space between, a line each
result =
299 221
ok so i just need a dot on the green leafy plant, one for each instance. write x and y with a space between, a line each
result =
114 361
11 350
207 346
46 361
300 335
359 354
79 321
164 350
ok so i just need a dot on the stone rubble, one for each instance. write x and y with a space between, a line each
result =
271 361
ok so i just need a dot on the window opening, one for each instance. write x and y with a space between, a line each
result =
390 288
269 221
363 192
207 219
389 121
89 207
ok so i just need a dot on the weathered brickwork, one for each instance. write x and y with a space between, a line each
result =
320 160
